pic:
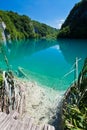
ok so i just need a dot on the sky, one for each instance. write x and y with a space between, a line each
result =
51 12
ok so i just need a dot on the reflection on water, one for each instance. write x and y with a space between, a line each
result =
46 61
73 48
28 47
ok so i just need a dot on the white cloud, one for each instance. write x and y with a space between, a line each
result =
57 23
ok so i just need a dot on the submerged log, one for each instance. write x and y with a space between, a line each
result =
21 72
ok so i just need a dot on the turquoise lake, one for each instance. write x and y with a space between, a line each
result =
46 61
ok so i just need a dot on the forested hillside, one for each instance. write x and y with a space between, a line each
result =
22 27
75 25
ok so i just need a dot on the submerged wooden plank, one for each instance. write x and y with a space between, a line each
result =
13 127
52 128
38 127
27 123
48 127
10 125
19 125
2 117
45 127
30 124
33 127
6 121
1 113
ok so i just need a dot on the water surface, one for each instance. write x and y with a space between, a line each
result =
46 62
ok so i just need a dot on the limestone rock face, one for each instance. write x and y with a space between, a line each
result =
2 31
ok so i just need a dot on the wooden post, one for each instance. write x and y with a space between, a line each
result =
76 71
76 68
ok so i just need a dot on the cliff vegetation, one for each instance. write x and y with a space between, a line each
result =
75 25
22 27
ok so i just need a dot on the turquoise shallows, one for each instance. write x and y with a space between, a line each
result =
46 61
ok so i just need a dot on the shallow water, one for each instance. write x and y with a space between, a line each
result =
46 62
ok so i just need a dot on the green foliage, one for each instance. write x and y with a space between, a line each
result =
22 24
0 34
76 21
75 113
9 25
22 27
64 32
45 31
75 119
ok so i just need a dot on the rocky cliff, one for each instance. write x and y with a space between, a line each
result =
75 25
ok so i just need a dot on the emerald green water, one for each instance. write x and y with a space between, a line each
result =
46 62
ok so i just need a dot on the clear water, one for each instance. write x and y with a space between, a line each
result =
46 62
